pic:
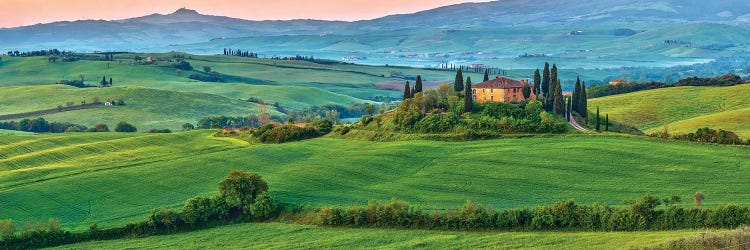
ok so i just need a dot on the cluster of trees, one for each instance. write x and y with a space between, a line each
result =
240 53
183 65
290 132
409 92
548 90
76 83
124 127
705 135
106 83
333 112
223 122
639 215
440 111
212 76
49 52
579 101
607 90
242 197
40 125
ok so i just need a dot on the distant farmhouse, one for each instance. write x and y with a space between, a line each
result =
500 89
618 82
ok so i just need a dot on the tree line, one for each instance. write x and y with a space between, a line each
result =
646 213
607 90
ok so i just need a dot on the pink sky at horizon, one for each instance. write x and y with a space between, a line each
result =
29 12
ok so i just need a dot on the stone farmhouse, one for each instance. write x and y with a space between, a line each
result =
500 89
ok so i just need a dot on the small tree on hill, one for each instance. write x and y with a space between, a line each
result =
188 127
486 75
124 127
207 69
469 97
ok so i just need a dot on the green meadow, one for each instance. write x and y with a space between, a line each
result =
286 236
115 178
681 109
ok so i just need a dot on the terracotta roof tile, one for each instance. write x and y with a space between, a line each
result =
500 83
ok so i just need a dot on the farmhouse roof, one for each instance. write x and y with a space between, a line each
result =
500 83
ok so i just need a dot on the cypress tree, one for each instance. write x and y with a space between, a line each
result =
598 128
110 81
558 103
469 99
568 108
583 102
537 81
418 84
104 81
606 122
576 94
553 80
458 84
545 80
407 91
486 75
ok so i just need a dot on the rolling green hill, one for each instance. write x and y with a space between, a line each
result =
681 109
285 236
112 178
145 108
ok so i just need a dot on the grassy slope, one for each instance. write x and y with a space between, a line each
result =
682 109
284 236
303 83
146 108
119 178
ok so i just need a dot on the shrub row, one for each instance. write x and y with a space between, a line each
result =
705 135
640 215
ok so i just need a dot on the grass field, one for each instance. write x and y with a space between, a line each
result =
112 178
145 108
682 109
286 236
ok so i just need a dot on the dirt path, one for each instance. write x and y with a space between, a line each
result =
573 123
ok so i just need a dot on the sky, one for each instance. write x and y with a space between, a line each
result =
28 12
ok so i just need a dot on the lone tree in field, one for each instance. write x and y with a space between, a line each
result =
699 197
124 127
110 81
240 188
207 69
458 84
537 82
598 126
486 75
418 84
469 101
104 81
407 91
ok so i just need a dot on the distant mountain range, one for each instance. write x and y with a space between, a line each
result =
188 26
